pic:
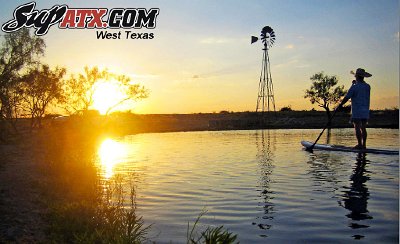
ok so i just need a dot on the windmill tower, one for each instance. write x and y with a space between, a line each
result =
265 99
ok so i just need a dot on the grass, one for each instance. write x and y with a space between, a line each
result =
108 220
211 235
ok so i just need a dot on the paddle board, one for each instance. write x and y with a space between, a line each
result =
328 147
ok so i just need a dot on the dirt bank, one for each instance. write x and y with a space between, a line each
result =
21 207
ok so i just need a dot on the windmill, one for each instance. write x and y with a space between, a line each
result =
265 99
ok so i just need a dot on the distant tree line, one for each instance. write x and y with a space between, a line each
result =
29 87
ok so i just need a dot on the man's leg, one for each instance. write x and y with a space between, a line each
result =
364 133
359 136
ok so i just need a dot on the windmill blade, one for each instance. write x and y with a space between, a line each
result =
267 37
267 29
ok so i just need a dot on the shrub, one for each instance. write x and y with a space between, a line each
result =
286 108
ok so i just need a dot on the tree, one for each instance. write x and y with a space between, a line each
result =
19 51
42 87
325 92
79 90
132 92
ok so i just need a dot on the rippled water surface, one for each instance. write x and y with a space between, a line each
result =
261 185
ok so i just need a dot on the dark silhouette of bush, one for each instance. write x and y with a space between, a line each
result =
286 108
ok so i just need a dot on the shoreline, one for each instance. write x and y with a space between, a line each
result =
127 123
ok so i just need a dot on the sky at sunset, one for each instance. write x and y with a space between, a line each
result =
201 59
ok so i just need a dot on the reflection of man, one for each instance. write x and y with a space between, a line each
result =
359 93
356 198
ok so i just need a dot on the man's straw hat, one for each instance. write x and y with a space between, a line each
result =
360 72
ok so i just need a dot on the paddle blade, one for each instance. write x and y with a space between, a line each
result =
309 149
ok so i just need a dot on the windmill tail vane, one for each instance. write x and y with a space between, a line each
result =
254 39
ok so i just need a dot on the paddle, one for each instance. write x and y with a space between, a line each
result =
310 149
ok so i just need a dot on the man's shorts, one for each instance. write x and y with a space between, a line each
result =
355 120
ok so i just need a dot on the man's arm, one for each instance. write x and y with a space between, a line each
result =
347 97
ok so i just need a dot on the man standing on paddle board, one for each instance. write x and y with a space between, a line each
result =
359 93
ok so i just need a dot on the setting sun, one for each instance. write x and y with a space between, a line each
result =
107 94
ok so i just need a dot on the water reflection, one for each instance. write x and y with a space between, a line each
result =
328 136
328 171
111 153
265 159
325 171
355 197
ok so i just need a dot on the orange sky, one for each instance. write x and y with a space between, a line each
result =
201 59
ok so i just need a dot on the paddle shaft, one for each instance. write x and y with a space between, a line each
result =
329 121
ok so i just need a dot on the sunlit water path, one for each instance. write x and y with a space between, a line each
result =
261 185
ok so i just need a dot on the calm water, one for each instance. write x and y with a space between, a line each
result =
261 185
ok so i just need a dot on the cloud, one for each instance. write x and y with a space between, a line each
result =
290 46
293 62
302 66
224 41
290 63
214 40
143 76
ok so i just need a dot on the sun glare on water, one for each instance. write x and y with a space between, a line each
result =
106 95
111 153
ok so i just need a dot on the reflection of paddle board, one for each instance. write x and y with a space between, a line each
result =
326 147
